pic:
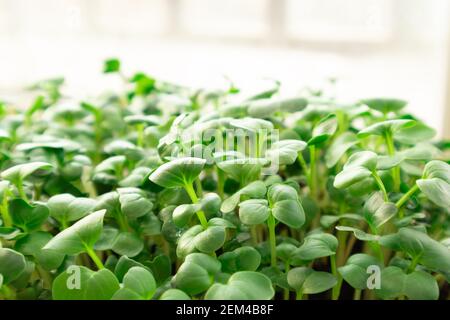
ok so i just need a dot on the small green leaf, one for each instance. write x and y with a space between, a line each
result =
355 270
80 236
327 221
289 212
263 108
316 246
211 239
339 147
377 212
210 204
429 252
174 294
65 207
254 211
437 190
255 189
359 234
309 281
161 268
251 124
9 233
220 222
204 240
358 167
123 265
365 159
133 202
385 127
32 245
81 283
128 244
243 285
324 129
107 238
285 251
139 282
385 105
21 171
347 178
178 172
111 65
415 134
435 183
12 264
279 192
417 153
26 216
285 205
285 152
196 273
149 120
241 259
186 243
243 170
183 213
417 285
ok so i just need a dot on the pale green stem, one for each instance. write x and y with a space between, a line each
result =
286 270
121 220
95 258
406 196
337 288
304 166
376 246
342 123
200 214
254 233
140 133
7 220
198 186
45 276
63 224
312 171
413 264
357 294
259 144
391 151
8 293
21 191
272 240
380 185
220 183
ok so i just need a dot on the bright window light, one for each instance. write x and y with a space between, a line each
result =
339 20
236 18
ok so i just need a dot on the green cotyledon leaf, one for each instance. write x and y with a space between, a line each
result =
178 172
204 240
138 284
357 168
242 285
384 127
81 283
81 235
309 281
435 182
196 273
21 171
419 245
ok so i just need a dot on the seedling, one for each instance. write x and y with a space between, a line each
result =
160 191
